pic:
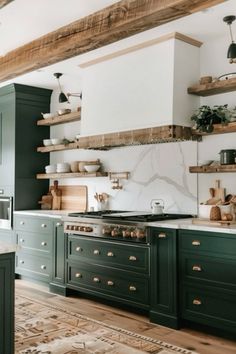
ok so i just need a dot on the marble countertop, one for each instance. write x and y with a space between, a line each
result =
7 248
47 213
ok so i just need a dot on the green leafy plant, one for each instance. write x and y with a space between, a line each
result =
205 117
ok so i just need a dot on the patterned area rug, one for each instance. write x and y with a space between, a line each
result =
46 329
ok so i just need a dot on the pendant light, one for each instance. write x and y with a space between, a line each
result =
62 97
232 48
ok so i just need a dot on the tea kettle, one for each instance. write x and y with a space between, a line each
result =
157 206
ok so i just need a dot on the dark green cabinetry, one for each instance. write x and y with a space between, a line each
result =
163 284
207 263
20 107
7 267
116 271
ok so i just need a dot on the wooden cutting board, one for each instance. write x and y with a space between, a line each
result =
73 197
219 193
199 221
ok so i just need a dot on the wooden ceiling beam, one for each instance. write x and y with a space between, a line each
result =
115 22
4 3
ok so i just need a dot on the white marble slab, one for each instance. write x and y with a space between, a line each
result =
7 248
47 213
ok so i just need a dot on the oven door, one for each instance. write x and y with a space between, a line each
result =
6 212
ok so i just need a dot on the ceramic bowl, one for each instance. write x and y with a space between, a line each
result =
48 115
92 168
51 169
47 142
57 141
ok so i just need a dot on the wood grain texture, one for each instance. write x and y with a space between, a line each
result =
70 175
212 169
59 147
4 3
218 129
115 22
213 88
66 118
73 197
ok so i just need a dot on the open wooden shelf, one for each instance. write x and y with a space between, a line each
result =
218 129
213 88
212 169
51 148
70 175
65 118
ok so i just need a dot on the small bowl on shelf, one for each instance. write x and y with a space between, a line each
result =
91 168
51 169
63 111
47 142
48 115
57 141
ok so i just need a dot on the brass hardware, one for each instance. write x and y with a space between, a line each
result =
43 266
110 283
78 275
43 243
197 302
161 235
110 254
58 224
115 178
22 240
22 223
197 268
96 280
96 252
78 249
132 288
43 225
196 243
132 258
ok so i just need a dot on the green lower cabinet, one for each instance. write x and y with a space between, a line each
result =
163 285
207 263
7 266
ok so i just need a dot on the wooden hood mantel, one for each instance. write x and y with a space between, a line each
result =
115 22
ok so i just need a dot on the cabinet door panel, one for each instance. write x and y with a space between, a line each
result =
35 242
34 224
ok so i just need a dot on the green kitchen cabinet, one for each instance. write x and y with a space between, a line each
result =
163 285
20 108
207 263
7 266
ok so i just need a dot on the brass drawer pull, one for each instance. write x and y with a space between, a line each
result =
110 283
22 223
110 254
196 243
58 224
197 268
22 240
43 225
43 266
96 280
96 252
22 262
132 288
43 243
78 249
132 258
197 302
78 275
161 235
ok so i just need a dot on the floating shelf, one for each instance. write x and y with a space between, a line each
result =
59 147
212 169
213 88
65 118
218 129
70 175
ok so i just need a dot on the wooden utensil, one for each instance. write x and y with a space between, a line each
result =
56 196
218 191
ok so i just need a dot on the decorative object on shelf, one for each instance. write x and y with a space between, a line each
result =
206 116
82 164
227 157
102 200
231 54
63 111
115 179
205 80
48 115
91 168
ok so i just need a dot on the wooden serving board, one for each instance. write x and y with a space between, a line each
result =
73 197
199 221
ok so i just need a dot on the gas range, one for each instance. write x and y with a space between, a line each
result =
131 226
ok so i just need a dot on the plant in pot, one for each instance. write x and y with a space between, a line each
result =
205 117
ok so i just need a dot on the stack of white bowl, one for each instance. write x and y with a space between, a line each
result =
51 168
63 167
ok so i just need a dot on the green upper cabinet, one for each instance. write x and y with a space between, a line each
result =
20 108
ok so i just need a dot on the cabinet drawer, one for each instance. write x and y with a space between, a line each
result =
108 281
128 257
34 266
35 242
208 242
217 271
211 307
40 225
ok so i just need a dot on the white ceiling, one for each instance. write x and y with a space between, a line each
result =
25 20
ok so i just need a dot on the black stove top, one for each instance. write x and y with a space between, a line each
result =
136 216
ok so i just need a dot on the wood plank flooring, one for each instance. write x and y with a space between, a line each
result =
186 338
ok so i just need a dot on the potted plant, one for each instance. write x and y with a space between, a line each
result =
206 116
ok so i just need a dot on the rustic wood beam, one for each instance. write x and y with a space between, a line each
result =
4 3
120 20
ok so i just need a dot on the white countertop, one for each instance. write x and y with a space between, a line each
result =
48 213
7 248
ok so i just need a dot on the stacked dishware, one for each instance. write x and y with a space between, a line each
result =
51 169
63 167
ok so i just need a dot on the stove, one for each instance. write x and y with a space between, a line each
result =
131 226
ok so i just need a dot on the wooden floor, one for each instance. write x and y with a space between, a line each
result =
186 338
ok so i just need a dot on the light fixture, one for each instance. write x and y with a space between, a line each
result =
65 97
232 48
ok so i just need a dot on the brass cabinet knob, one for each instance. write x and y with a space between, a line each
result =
132 288
96 280
162 235
43 243
197 268
110 283
78 249
78 275
43 266
110 254
58 224
196 243
132 258
197 302
43 225
22 223
96 252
